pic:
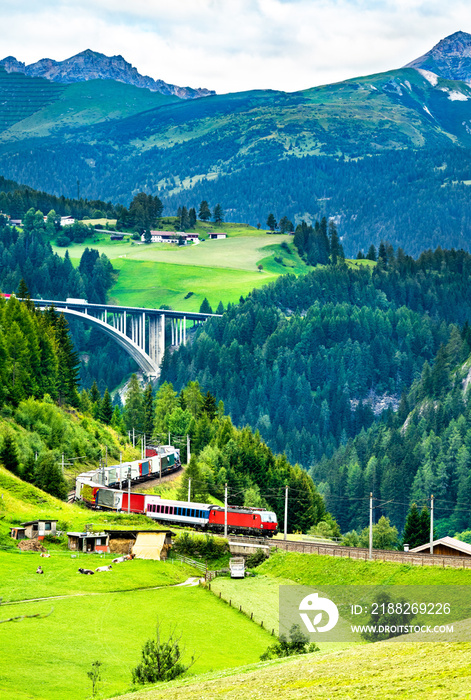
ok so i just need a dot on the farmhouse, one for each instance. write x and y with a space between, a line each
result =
34 529
446 546
172 237
219 234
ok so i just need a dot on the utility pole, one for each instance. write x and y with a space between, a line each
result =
225 510
286 513
106 455
120 466
142 447
133 438
129 490
370 553
188 454
189 489
169 439
63 462
431 524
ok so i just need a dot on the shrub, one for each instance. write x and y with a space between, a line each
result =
298 643
255 559
161 660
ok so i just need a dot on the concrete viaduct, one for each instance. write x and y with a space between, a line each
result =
141 332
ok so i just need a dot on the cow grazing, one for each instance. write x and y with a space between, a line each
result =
104 568
39 570
86 571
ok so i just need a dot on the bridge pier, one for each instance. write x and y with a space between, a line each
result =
142 336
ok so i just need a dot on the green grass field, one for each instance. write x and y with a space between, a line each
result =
382 671
220 270
19 581
313 570
47 659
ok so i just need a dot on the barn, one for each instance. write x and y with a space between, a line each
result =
145 544
445 547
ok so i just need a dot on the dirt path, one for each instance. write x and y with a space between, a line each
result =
192 581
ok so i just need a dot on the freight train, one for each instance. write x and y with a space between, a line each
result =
107 488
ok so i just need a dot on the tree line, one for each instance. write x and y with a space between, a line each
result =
305 361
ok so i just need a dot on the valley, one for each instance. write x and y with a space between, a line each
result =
327 400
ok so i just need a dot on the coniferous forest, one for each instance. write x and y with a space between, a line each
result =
308 362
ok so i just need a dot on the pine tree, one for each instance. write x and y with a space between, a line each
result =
204 211
205 307
148 401
424 525
271 222
106 408
192 217
134 407
9 454
209 405
68 364
413 528
218 214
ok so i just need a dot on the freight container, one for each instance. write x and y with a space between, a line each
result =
137 502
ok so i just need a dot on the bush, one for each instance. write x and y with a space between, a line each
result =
205 546
298 643
161 660
62 241
255 559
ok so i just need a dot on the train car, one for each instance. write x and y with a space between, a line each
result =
137 502
88 493
178 512
144 468
254 521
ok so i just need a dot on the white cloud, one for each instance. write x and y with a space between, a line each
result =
231 45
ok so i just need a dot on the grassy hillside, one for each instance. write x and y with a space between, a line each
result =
300 154
182 276
44 107
383 670
112 627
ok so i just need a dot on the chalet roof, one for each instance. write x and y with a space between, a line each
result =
451 542
42 520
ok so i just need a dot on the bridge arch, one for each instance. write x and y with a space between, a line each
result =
145 362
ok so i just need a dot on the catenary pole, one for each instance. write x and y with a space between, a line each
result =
286 513
431 524
189 489
370 546
225 510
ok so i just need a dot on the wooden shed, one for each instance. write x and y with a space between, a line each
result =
445 547
34 529
123 541
88 542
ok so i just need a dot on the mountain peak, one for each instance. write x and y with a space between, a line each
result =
450 58
92 65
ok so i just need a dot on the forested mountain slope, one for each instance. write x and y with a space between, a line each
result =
423 449
372 152
299 359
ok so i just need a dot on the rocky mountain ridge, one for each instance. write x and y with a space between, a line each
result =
91 65
450 58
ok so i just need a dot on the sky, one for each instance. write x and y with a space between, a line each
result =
235 45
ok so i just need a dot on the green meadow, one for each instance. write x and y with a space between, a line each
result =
48 658
383 671
181 277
